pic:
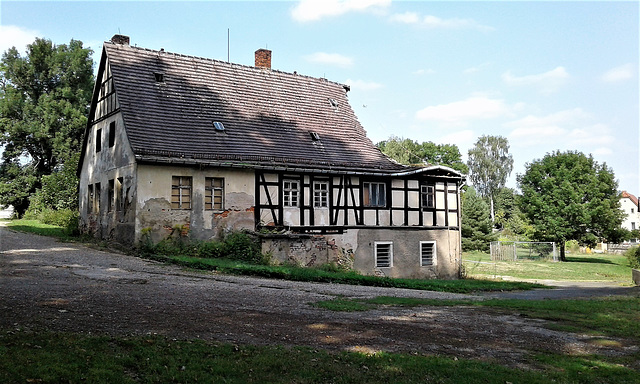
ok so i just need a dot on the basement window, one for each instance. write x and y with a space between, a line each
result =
427 253
384 254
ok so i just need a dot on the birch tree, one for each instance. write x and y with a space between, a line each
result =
490 164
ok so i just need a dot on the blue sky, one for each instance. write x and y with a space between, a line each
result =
545 75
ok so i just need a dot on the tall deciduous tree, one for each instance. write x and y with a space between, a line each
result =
407 151
490 164
569 196
44 102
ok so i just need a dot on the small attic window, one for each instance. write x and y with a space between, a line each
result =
333 102
159 77
218 126
314 136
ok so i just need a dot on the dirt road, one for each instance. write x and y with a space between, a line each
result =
47 285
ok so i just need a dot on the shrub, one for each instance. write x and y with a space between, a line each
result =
572 246
65 218
633 256
238 246
244 247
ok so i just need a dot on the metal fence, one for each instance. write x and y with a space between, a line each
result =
523 250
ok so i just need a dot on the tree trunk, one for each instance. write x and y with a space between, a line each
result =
562 250
493 216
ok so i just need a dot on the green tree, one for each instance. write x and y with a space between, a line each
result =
490 164
44 102
569 196
477 231
407 151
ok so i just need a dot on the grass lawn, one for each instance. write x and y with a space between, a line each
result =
578 267
72 358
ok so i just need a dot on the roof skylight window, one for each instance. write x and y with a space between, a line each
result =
218 126
333 102
159 77
314 136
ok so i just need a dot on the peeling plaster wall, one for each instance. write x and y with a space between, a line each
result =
107 220
355 249
312 250
406 253
156 217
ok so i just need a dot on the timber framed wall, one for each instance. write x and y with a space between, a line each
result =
291 200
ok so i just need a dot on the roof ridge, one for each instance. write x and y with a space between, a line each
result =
231 64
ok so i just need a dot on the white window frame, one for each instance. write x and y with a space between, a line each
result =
291 192
376 246
321 194
434 255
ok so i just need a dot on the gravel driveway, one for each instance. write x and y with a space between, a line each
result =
48 285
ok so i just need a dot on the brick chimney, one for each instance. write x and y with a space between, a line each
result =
263 58
120 39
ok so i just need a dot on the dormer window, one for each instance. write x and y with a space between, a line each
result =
159 77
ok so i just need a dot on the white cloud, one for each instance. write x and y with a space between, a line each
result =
570 129
548 82
428 71
434 22
602 152
459 113
311 10
407 18
14 36
335 59
462 139
363 85
621 73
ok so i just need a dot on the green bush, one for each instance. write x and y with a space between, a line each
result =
238 246
633 255
65 218
572 246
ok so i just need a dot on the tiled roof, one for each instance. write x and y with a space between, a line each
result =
269 116
627 195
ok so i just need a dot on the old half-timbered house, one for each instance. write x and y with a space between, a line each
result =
211 146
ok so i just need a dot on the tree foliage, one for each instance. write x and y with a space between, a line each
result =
477 231
44 102
569 196
407 151
490 164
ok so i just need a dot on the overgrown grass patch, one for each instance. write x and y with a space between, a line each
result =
73 358
608 316
39 228
294 273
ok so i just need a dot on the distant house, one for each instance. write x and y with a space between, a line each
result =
629 205
205 147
